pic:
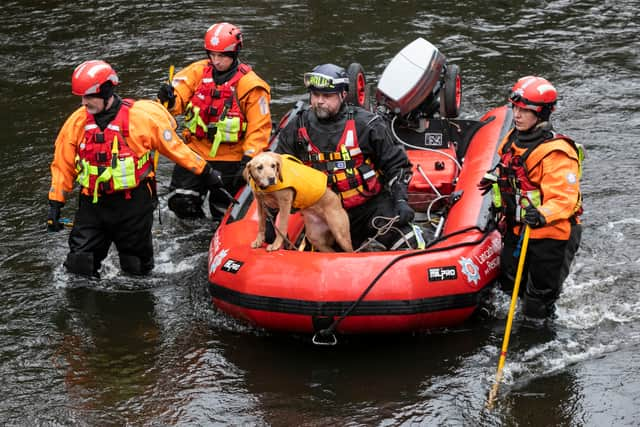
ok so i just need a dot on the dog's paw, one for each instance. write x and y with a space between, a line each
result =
274 246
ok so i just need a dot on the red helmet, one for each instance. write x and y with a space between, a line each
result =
223 37
534 93
90 75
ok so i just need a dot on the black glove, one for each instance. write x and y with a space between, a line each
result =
533 217
486 183
211 178
53 216
213 181
166 95
399 193
238 179
404 212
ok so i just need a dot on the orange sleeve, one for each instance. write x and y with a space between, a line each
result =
557 175
255 100
151 127
185 83
63 169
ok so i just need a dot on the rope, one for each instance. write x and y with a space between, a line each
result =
415 147
331 329
381 230
288 244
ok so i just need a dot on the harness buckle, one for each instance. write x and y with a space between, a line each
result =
101 157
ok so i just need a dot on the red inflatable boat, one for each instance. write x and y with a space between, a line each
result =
442 285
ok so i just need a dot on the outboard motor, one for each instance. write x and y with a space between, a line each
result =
419 93
414 82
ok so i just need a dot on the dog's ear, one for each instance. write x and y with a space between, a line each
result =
246 173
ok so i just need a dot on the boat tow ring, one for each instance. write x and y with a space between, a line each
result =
323 338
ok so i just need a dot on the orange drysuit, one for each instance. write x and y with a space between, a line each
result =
253 96
150 128
554 168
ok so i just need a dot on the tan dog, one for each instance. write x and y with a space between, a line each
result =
282 182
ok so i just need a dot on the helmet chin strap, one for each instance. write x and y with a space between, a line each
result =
107 103
106 94
544 125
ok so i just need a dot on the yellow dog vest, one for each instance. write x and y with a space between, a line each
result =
308 183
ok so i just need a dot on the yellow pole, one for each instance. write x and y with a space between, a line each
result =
512 309
156 155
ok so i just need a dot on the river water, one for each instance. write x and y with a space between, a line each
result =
153 351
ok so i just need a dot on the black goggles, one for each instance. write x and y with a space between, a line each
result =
516 97
322 81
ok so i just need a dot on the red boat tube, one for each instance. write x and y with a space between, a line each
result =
377 292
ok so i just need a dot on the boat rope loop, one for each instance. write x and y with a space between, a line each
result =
371 242
327 336
382 229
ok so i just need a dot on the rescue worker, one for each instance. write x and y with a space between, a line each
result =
538 184
354 147
226 119
107 145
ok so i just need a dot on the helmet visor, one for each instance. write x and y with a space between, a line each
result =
323 82
515 97
519 100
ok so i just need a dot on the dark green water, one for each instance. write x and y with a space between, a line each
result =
154 352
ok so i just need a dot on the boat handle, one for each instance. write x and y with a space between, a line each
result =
331 341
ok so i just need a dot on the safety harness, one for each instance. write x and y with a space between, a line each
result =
514 191
214 110
350 175
105 163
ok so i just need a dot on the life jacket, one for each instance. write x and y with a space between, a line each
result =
104 162
516 191
353 177
309 184
214 111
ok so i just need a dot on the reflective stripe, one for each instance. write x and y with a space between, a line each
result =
369 174
348 140
497 196
187 192
406 240
581 155
192 119
228 131
103 177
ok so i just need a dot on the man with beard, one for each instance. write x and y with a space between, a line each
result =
355 149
